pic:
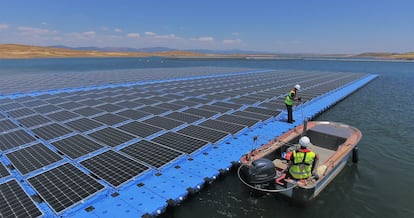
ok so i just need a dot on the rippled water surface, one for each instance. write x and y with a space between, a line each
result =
380 185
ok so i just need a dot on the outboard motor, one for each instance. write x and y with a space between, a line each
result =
261 173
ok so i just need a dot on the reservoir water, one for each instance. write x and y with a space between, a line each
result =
380 185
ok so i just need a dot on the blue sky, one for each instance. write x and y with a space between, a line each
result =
281 26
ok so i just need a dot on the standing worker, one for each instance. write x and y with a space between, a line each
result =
290 98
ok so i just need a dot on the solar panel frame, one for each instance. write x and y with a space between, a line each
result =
203 133
257 110
70 105
231 128
34 120
238 120
15 202
51 131
180 142
64 186
63 115
3 171
83 124
153 110
111 136
134 114
151 153
88 111
76 146
113 167
46 108
15 139
21 112
110 119
32 158
251 115
109 107
163 122
140 129
6 125
183 117
200 112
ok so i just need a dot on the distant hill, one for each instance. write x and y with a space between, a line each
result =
15 51
406 56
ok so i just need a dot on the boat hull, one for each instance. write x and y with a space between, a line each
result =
333 142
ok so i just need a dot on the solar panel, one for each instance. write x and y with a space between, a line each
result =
153 110
206 134
170 106
64 186
134 114
15 202
227 105
215 108
88 111
76 146
32 158
198 100
180 142
70 105
83 124
51 131
140 129
3 171
188 118
200 112
10 106
14 139
238 120
113 167
151 153
145 101
34 103
186 103
56 100
111 136
109 107
91 102
129 104
252 115
46 109
21 112
6 125
34 120
257 110
223 126
163 122
62 115
110 119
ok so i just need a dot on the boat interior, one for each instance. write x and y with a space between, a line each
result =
323 144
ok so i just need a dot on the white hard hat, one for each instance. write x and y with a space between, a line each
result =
297 86
304 141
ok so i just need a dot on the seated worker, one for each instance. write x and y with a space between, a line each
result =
302 161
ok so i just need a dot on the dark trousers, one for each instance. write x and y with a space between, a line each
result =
290 115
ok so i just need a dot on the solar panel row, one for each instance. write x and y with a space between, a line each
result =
155 123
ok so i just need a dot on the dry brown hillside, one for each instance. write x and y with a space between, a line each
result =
14 51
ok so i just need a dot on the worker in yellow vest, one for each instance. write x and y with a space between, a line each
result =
303 161
289 100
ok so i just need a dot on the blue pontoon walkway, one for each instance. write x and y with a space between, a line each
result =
127 146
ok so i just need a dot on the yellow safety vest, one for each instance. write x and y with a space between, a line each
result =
289 97
302 164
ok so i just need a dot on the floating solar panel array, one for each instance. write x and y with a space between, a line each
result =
67 146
